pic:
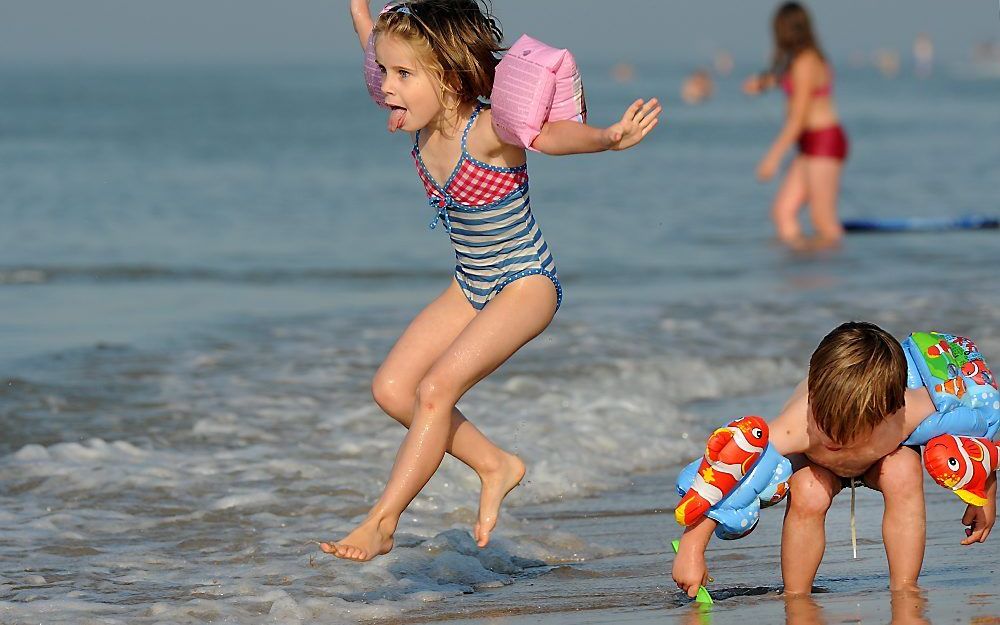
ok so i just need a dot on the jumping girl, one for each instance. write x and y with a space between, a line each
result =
437 59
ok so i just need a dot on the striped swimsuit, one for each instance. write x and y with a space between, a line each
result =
486 211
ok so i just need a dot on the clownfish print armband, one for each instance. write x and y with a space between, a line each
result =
740 473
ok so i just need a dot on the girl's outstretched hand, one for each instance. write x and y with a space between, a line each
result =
635 124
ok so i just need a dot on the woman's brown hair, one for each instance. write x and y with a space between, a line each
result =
459 41
793 34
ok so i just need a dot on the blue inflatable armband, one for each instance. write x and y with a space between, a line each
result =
737 513
960 384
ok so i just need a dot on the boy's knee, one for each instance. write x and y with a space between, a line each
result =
811 491
901 473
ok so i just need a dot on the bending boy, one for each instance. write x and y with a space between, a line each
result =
847 421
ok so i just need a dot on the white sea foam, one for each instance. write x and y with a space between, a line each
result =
252 455
259 454
210 503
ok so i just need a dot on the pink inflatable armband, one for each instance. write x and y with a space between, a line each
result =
535 83
373 75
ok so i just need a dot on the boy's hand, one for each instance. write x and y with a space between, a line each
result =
979 521
635 124
690 570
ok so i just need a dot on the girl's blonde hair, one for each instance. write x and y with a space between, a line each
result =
857 378
458 41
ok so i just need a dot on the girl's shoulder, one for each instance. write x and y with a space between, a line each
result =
483 133
485 144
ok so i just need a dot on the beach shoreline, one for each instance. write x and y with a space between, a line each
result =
634 585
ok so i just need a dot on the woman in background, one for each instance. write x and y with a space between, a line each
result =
801 69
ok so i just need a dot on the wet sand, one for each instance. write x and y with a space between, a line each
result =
633 585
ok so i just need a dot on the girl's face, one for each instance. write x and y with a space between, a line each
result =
412 92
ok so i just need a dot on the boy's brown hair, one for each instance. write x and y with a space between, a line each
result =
857 378
459 41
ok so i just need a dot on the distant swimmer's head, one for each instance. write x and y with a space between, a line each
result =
857 379
435 56
793 34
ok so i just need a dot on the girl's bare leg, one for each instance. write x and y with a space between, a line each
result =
512 319
785 211
395 386
823 184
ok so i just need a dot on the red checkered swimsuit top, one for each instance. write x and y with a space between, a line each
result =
486 211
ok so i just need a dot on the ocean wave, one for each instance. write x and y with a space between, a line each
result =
200 490
238 452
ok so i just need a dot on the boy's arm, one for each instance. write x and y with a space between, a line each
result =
689 570
362 18
979 521
788 434
569 137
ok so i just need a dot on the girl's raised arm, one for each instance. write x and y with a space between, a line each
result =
363 23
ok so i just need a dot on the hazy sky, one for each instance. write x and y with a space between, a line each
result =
281 31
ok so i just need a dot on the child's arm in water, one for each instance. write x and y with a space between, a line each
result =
788 436
690 569
569 137
362 17
979 521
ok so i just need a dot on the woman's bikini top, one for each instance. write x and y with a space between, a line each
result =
819 92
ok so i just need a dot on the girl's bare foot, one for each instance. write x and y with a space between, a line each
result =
496 485
371 539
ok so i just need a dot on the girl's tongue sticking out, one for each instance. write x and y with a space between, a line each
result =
397 118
